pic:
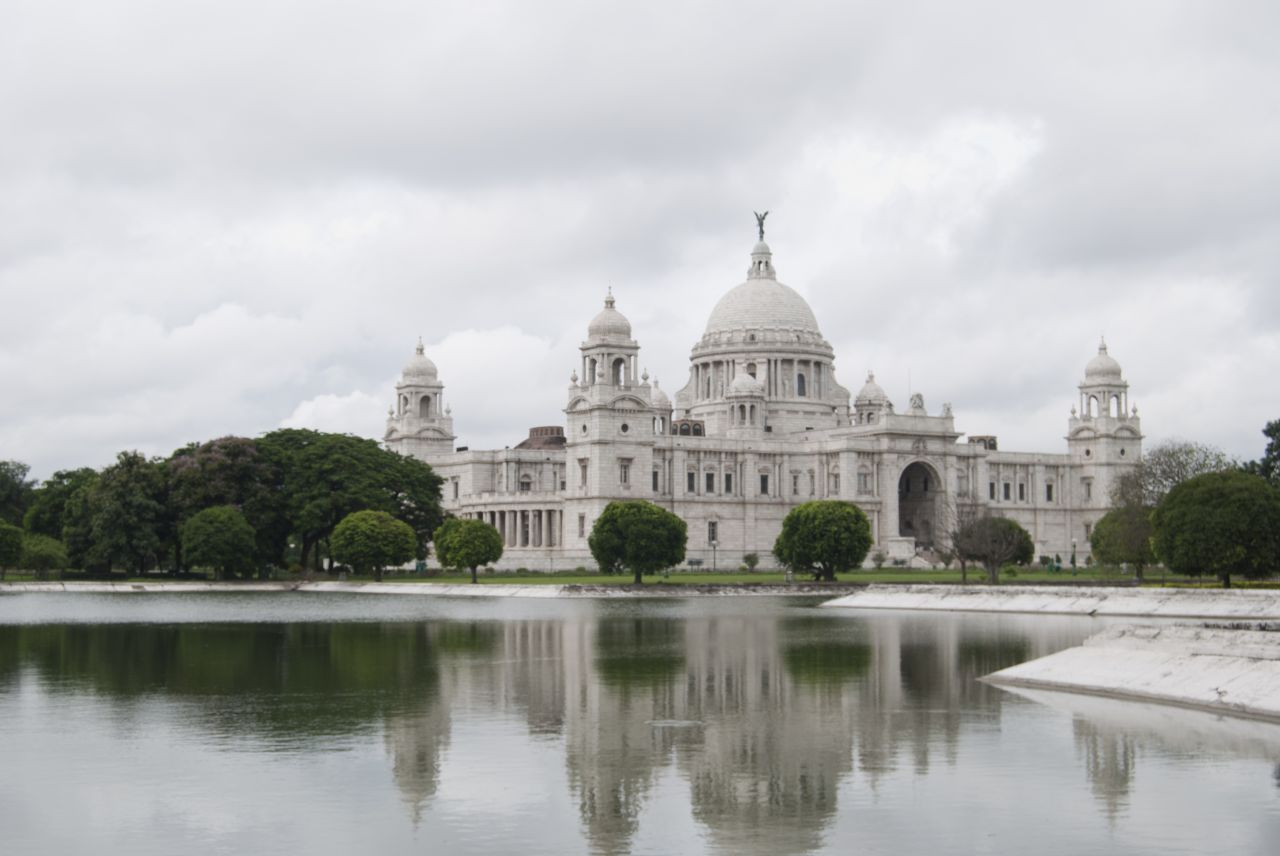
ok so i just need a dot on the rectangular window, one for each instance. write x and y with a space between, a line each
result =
835 484
1088 488
582 526
991 490
1048 493
655 481
864 482
728 484
795 484
764 484
813 483
692 485
455 488
711 482
1022 492
624 472
1007 492
582 471
712 532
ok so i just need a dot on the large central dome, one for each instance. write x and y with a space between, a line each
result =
762 303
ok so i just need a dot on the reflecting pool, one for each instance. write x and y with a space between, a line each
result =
290 722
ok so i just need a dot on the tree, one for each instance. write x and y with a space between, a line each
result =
1222 524
219 538
10 547
1164 466
1268 466
129 521
372 540
1123 535
231 471
464 543
325 477
994 541
825 536
47 513
43 554
15 491
637 536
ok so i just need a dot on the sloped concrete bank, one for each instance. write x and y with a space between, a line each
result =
540 590
1232 605
1227 671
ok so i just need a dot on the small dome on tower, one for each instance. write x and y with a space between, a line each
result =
1102 367
419 368
610 323
871 392
658 398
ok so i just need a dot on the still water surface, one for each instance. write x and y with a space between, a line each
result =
289 723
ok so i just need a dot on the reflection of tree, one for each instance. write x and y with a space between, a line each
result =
1109 759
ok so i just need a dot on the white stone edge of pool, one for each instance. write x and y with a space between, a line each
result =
488 590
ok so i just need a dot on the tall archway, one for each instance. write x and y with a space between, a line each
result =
920 505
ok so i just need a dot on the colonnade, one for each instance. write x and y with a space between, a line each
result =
526 527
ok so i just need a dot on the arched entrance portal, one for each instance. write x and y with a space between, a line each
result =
919 495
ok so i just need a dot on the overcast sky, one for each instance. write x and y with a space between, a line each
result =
221 218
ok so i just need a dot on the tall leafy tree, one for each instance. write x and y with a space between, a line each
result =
47 513
463 543
10 547
16 491
43 554
1123 535
372 541
1163 467
637 536
232 471
1268 466
1220 524
825 536
130 521
995 541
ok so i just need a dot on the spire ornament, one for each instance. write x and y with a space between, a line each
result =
760 222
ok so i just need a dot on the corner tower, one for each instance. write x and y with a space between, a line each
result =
420 423
1104 435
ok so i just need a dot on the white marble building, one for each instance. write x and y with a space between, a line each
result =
761 426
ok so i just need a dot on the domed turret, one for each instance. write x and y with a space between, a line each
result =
745 385
871 392
658 398
871 403
419 368
1103 367
609 323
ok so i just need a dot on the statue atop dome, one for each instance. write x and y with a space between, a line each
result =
760 222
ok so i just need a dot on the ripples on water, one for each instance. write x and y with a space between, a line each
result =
336 724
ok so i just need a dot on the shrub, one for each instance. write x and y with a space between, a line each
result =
750 560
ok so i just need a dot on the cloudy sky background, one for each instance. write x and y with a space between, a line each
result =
225 217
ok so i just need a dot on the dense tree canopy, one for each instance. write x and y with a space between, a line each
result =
994 541
219 538
1123 536
825 536
47 513
637 536
10 547
1268 466
129 517
43 554
15 491
373 540
1221 524
462 543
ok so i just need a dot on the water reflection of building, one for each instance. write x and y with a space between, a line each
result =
1109 758
416 741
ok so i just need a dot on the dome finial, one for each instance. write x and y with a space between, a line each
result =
760 222
608 298
1102 344
419 350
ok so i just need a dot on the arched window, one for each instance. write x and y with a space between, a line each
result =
1093 405
619 371
800 390
751 369
752 415
697 430
1115 406
424 406
742 414
591 371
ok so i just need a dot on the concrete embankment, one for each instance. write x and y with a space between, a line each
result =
1210 668
535 590
1233 605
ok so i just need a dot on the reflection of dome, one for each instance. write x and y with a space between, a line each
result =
419 368
1103 366
745 384
762 302
871 391
610 323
